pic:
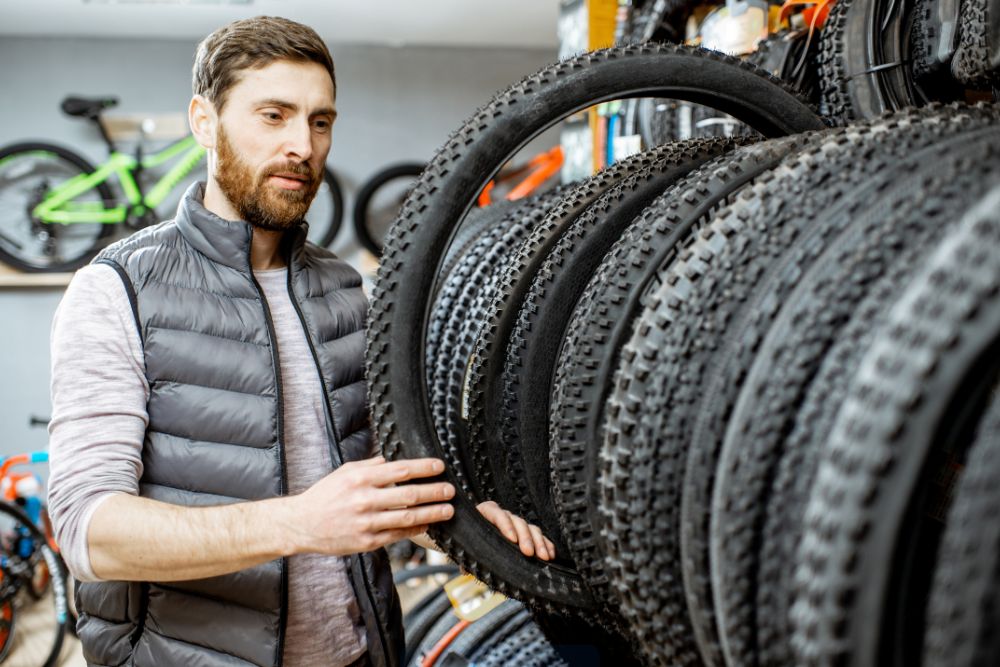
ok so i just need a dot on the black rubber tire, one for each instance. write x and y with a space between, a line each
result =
502 473
860 44
526 647
419 620
962 613
600 325
511 373
899 222
671 377
481 633
367 192
749 320
934 357
975 62
17 515
444 622
455 325
479 221
323 233
10 256
440 200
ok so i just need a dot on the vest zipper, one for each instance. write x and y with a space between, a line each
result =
283 613
357 566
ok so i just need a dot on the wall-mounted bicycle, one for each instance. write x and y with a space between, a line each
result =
57 210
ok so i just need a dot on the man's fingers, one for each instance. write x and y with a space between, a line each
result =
393 472
538 541
499 518
373 461
413 516
550 547
523 535
412 494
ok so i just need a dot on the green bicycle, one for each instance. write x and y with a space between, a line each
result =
57 210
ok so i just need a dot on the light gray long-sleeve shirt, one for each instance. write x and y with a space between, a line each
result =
99 419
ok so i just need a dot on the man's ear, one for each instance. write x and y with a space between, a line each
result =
203 120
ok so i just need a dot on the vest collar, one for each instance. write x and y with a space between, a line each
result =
226 242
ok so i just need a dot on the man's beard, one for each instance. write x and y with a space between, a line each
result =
258 202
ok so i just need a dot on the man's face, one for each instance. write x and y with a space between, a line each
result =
273 138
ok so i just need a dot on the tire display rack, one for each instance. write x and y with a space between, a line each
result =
740 382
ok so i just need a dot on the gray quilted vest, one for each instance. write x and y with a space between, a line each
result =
215 436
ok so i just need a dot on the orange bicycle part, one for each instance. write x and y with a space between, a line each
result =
541 168
443 644
815 14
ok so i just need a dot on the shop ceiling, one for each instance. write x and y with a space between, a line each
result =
511 23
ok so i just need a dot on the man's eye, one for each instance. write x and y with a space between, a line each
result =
272 115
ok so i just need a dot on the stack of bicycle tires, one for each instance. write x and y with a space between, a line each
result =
736 381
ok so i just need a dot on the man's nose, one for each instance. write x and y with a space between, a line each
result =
298 141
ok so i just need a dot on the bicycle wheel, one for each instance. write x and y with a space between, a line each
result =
28 172
373 215
327 211
43 644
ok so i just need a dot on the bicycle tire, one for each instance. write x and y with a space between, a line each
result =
502 478
443 195
10 255
975 62
481 631
767 275
323 233
419 621
458 315
658 434
367 192
880 235
858 81
600 325
525 359
935 356
962 614
520 478
58 577
526 647
432 636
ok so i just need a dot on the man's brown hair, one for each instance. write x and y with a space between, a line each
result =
251 44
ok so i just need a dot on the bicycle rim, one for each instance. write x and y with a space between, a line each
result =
326 212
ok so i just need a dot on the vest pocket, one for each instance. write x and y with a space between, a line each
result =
111 614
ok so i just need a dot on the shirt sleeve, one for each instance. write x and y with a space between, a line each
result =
99 395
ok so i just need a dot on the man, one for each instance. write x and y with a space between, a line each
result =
211 483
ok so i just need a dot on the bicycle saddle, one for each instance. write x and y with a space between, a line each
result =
87 107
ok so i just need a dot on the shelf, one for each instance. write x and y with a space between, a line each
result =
12 279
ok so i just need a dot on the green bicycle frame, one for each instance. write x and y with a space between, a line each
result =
58 206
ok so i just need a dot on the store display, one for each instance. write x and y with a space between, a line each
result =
666 368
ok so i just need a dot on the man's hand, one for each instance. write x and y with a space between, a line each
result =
525 535
358 508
